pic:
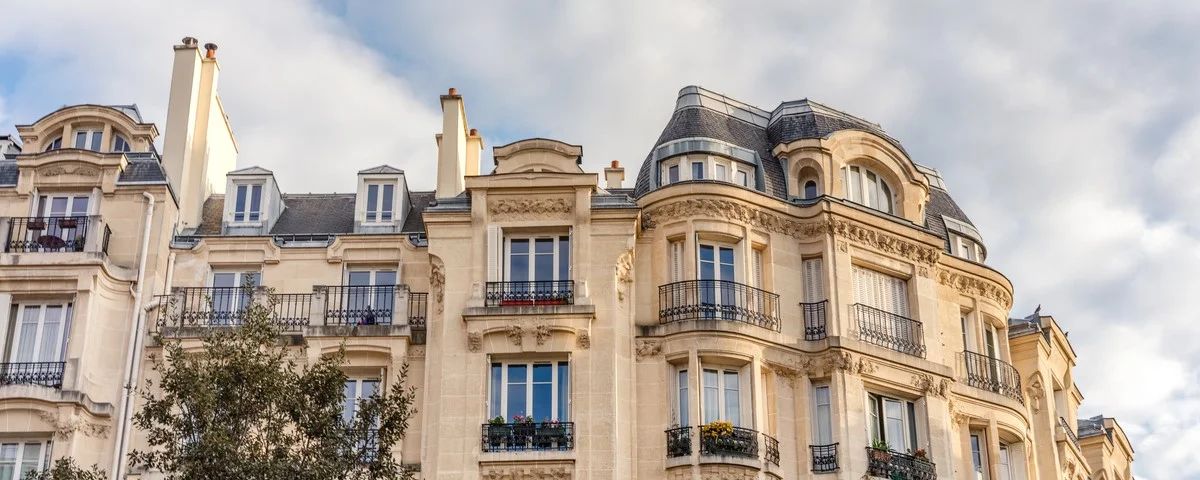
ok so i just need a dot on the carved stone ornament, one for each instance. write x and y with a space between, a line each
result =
885 242
81 171
734 211
957 415
1036 392
648 348
65 428
788 374
474 341
931 386
968 285
514 334
922 271
416 352
865 366
624 272
541 333
843 246
437 280
525 208
727 472
583 340
523 472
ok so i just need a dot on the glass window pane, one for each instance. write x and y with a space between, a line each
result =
855 186
79 206
240 204
385 278
372 198
712 392
564 383
51 329
25 343
348 405
386 206
733 404
743 178
516 393
564 258
518 260
369 387
810 189
497 389
543 373
519 246
360 278
673 174
544 261
885 197
894 424
721 175
697 170
683 399
824 429
58 206
912 425
255 202
80 139
96 136
543 401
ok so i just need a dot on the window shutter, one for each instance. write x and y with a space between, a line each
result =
495 246
814 281
899 294
676 249
758 268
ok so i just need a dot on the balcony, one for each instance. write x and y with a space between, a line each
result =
368 447
57 235
889 330
359 305
898 466
718 300
771 449
522 437
991 374
530 293
722 440
226 306
679 442
48 374
815 326
1068 432
418 305
824 458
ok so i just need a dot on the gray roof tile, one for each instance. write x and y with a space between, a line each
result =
941 204
8 173
143 167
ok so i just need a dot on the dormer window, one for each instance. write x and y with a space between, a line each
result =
707 167
380 202
120 144
866 188
248 203
55 145
89 139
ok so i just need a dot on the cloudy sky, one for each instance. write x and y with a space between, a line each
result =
1068 131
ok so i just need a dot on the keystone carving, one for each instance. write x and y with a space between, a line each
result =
529 208
624 270
648 348
968 285
931 386
437 280
65 428
514 334
583 340
540 333
474 341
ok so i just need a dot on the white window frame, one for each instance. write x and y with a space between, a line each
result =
820 437
675 249
881 291
682 396
722 408
249 213
45 205
967 321
60 342
120 141
375 214
714 168
717 246
556 388
967 249
814 279
239 300
855 179
804 189
1004 464
977 442
877 417
559 269
350 404
19 463
92 139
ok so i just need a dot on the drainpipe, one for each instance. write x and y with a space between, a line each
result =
135 346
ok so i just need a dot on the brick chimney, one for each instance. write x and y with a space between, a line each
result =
614 175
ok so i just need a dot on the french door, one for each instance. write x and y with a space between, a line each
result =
717 274
40 334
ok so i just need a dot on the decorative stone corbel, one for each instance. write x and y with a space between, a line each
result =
648 348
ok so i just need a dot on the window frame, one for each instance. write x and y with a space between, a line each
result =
119 141
350 404
17 325
877 421
682 391
711 167
816 412
20 470
375 213
804 189
722 389
92 139
1004 464
977 444
244 192
560 389
55 144
560 266
855 182
235 302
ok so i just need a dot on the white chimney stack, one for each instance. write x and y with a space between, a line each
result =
614 175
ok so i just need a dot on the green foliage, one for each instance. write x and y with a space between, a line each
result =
880 444
249 405
65 469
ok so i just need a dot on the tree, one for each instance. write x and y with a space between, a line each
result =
249 406
65 469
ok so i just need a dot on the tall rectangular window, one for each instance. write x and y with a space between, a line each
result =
676 250
355 391
538 258
814 280
540 390
39 333
823 415
248 203
229 290
682 398
979 456
1003 466
743 178
722 395
880 291
18 458
697 170
673 174
892 420
380 202
89 139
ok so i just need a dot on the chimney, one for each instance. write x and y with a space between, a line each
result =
614 175
198 144
452 147
474 151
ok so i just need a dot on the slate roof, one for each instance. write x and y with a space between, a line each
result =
8 173
315 213
143 167
940 204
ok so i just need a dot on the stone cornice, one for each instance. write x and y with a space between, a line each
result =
972 286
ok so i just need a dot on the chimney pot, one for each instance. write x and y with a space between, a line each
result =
474 132
453 91
189 41
616 163
210 50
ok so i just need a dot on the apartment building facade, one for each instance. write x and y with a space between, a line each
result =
779 294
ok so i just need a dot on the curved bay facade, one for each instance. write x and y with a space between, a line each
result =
781 293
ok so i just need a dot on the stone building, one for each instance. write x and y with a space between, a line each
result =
780 294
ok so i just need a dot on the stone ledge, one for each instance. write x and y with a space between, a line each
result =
471 313
54 395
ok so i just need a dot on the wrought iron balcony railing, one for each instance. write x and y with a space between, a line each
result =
824 458
899 466
740 442
359 305
519 437
889 330
771 449
212 306
291 310
54 234
530 293
718 300
679 442
418 305
1069 432
991 374
815 325
49 374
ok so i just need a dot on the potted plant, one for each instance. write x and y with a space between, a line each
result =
524 429
498 432
718 437
35 224
881 451
79 243
68 222
920 454
552 432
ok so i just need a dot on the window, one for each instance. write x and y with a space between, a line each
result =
814 280
697 170
120 144
1004 466
823 416
376 290
54 145
978 456
89 139
538 259
533 389
721 173
966 335
810 189
706 167
864 187
380 202
681 399
967 249
63 205
39 333
673 174
18 458
355 391
880 291
717 267
722 396
248 206
893 421
743 178
228 295
676 250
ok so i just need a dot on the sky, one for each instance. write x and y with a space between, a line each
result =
1068 131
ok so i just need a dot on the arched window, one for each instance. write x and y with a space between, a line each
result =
810 189
54 145
864 187
120 144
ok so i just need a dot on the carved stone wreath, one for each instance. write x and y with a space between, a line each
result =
541 333
583 340
514 334
931 386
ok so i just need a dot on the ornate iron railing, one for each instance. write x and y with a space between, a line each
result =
49 374
824 458
771 449
679 442
718 300
291 310
889 330
213 306
104 241
418 305
991 374
519 437
815 325
1069 432
47 234
899 466
359 305
542 292
741 442
368 447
